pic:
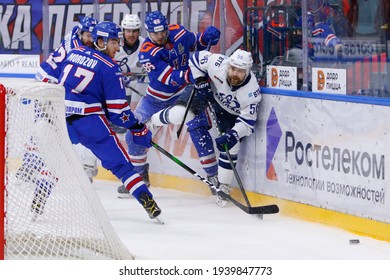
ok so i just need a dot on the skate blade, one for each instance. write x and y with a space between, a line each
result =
34 217
221 202
125 196
158 219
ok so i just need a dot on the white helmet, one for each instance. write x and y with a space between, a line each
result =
242 59
131 21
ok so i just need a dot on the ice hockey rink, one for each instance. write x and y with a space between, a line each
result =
197 229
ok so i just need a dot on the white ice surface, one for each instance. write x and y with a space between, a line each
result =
197 229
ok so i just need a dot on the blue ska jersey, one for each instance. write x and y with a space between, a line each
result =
93 85
50 69
166 65
242 101
325 33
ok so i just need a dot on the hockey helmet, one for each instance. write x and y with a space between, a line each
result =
131 21
315 6
106 30
242 59
156 22
87 24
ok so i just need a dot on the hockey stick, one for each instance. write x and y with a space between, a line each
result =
265 209
214 117
192 95
133 74
189 102
136 91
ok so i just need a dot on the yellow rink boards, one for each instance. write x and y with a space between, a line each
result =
358 225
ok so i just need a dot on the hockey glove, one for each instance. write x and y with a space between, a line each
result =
211 34
127 80
188 78
229 139
141 135
202 87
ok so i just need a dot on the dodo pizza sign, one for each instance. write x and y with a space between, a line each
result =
329 80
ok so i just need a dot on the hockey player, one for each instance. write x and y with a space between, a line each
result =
94 94
34 168
50 70
127 57
80 35
164 54
234 96
134 75
321 33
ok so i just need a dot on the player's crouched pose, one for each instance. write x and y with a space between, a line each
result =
94 94
234 97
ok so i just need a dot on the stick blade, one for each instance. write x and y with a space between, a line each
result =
252 210
265 209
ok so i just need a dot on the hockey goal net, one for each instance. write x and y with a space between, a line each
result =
51 210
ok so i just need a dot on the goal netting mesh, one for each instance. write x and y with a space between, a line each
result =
51 208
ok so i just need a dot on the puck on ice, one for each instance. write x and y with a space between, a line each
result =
354 241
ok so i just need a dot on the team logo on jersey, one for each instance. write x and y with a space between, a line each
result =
180 48
123 64
125 117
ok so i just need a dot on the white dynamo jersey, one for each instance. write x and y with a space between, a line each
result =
242 101
129 64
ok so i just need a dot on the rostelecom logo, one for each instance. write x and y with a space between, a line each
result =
274 134
274 77
320 80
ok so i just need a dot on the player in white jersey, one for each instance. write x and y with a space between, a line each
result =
234 97
135 77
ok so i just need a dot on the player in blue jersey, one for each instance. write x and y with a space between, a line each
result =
164 55
34 168
94 95
323 42
80 35
50 70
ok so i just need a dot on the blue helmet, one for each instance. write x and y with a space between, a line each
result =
106 30
156 22
87 24
315 6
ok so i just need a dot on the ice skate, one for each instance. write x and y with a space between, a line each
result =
91 171
145 175
41 194
150 205
38 203
221 201
215 182
124 193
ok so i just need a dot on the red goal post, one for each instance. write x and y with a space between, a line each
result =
2 175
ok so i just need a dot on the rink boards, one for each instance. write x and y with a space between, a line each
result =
322 160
